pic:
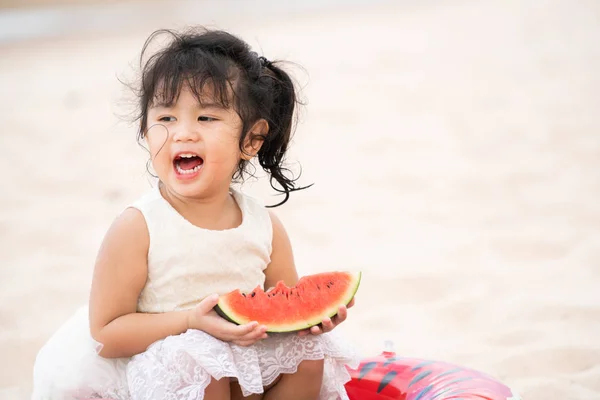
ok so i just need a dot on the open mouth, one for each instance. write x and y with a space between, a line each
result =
187 163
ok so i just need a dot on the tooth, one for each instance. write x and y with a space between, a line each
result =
188 171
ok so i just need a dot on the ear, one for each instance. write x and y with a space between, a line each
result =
254 139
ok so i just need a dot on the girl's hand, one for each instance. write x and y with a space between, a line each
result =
204 318
328 324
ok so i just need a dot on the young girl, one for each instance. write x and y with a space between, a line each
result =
208 106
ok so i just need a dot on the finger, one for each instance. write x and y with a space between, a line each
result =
303 332
316 330
230 336
327 325
350 304
341 315
242 330
208 303
231 331
256 334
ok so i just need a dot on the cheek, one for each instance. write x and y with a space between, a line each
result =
156 139
159 153
223 149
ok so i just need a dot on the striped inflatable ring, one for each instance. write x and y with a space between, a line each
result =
391 377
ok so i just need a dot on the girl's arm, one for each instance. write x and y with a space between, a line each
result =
119 276
283 268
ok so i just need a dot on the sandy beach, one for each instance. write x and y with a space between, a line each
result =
454 149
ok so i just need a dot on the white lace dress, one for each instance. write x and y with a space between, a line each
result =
185 264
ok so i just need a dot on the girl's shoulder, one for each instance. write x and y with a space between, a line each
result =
147 199
254 209
247 201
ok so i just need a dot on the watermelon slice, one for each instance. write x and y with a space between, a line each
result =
289 309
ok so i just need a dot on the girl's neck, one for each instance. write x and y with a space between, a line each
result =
218 211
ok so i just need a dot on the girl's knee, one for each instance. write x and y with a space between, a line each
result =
313 368
218 389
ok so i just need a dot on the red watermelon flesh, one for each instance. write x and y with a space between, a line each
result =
289 309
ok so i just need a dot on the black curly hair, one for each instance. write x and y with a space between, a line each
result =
255 87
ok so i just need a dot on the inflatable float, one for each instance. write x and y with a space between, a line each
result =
391 377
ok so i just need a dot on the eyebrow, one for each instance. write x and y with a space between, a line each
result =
161 104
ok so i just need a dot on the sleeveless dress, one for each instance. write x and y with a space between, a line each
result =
185 264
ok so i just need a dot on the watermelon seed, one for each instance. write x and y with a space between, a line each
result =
253 294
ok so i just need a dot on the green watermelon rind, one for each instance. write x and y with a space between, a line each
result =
228 314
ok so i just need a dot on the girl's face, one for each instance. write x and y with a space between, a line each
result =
194 149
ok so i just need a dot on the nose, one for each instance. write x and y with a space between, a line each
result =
186 132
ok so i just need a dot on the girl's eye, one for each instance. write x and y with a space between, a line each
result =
167 119
203 118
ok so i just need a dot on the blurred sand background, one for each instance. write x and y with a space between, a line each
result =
454 147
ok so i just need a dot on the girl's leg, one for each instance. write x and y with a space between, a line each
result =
236 393
305 384
217 390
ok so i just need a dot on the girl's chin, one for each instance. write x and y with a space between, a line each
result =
186 187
